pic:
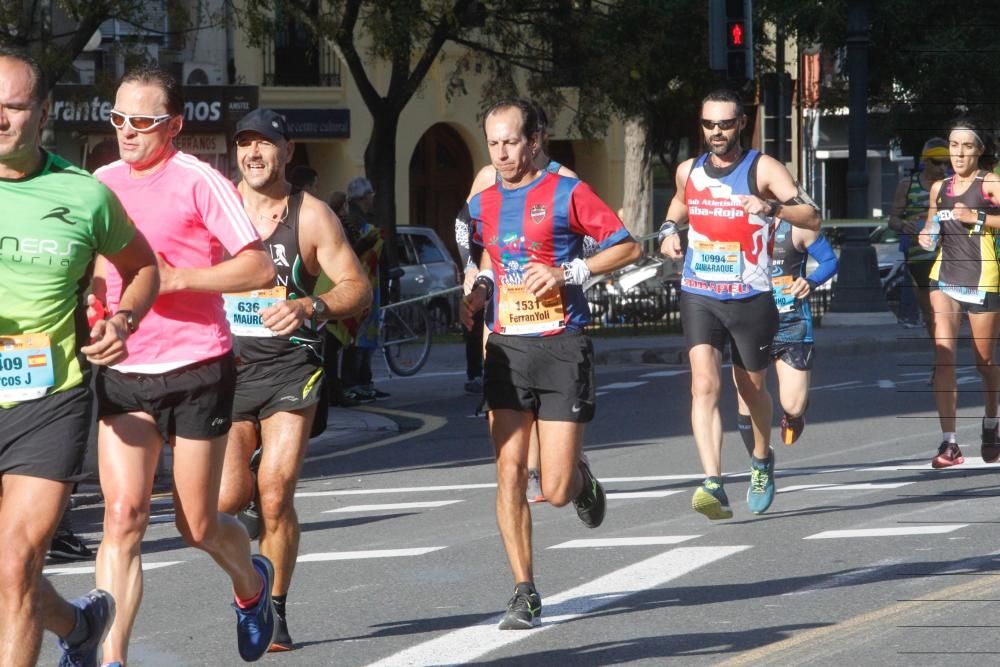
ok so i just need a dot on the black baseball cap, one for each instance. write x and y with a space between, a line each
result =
266 122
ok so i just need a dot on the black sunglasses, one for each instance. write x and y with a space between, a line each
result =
727 124
938 163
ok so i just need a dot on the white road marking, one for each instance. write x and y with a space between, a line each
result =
844 487
599 393
391 507
468 644
835 386
665 374
652 478
886 384
625 542
622 385
361 555
398 489
971 462
90 569
163 518
886 532
627 495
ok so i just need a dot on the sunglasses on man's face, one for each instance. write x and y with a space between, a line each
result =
727 124
139 123
938 163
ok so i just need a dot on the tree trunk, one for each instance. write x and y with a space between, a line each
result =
380 168
638 202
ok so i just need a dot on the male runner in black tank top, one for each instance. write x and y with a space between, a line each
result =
279 346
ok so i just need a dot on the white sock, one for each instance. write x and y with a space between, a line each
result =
948 436
990 422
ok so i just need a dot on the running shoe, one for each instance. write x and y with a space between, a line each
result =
791 428
98 608
474 387
523 609
710 499
249 516
255 627
948 455
66 545
991 444
760 495
591 504
534 491
282 640
378 393
361 394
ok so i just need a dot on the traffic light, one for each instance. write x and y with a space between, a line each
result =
730 37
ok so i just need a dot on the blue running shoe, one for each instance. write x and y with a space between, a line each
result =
760 495
98 607
710 499
255 626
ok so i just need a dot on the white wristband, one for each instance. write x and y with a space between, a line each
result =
576 272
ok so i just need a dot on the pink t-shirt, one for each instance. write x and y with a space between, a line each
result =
191 215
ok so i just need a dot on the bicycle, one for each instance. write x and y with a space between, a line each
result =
405 334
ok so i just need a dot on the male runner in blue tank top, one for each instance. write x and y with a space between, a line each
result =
792 347
731 198
279 343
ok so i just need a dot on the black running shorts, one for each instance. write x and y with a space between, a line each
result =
193 402
47 437
552 376
289 383
796 354
747 324
990 304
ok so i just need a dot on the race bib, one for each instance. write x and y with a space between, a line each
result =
243 311
783 298
26 370
520 312
963 293
717 261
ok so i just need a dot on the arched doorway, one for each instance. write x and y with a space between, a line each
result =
441 174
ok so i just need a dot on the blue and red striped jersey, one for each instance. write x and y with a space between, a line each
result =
544 221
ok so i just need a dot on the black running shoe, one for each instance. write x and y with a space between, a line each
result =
591 503
991 444
282 640
523 609
249 516
66 545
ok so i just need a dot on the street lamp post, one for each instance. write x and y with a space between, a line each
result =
858 287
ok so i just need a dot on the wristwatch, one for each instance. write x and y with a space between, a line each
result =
130 322
318 306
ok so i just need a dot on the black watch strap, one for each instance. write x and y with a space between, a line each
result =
130 322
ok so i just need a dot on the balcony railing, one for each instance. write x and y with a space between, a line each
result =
288 62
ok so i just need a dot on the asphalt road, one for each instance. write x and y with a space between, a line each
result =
866 557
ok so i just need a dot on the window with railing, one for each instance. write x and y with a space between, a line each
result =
294 56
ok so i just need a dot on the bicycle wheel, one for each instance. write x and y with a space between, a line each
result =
407 342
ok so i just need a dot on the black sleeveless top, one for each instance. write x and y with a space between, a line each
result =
290 273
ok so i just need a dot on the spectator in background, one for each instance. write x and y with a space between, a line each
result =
366 238
337 335
304 177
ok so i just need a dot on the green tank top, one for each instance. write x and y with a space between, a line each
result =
54 223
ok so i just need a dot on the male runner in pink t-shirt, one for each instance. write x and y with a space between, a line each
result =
177 383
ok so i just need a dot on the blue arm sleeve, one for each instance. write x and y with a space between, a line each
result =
821 251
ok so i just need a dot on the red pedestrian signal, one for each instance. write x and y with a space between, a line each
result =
736 35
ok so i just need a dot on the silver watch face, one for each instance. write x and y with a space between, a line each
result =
319 306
